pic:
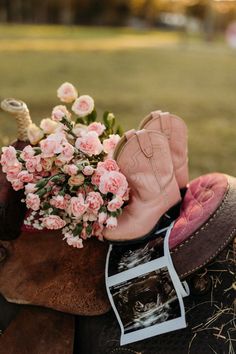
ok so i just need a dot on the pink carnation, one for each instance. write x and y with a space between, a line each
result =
94 201
97 230
30 188
96 127
60 112
109 145
53 222
67 92
89 144
96 177
111 222
34 164
67 153
32 201
8 157
17 185
27 153
102 217
88 170
12 170
113 182
59 202
115 203
83 106
52 145
25 177
108 165
77 206
70 170
74 241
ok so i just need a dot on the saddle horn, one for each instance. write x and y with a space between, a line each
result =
19 110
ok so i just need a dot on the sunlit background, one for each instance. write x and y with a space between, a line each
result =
132 56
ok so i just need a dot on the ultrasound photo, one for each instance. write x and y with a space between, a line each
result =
147 300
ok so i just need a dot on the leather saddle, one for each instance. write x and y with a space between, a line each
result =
40 269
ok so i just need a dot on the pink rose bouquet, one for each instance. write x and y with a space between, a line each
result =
67 172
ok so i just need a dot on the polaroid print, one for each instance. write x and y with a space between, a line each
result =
144 290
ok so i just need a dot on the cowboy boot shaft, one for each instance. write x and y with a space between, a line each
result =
176 131
145 160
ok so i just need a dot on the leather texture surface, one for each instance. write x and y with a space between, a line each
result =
41 269
38 331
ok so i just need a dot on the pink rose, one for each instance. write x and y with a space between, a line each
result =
27 153
115 203
102 217
17 185
94 201
89 144
52 145
83 106
109 145
67 153
113 182
67 92
30 188
96 127
34 164
75 241
25 177
60 112
53 222
77 206
88 170
59 202
32 201
111 223
109 165
84 234
48 125
70 169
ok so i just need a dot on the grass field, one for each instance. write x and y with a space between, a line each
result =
129 73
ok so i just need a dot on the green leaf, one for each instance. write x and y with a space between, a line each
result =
77 230
119 130
42 183
92 117
89 230
80 120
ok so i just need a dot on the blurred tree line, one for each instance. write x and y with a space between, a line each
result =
112 12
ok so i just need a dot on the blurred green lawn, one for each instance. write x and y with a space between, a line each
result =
194 80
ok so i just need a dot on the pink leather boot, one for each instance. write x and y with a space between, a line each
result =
176 131
144 158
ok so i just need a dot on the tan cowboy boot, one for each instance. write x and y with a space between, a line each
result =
176 131
144 158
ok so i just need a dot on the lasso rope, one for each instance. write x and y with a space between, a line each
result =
20 112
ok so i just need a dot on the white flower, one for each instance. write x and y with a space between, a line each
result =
83 106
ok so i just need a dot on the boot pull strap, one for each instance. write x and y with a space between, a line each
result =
156 114
165 123
129 133
144 142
